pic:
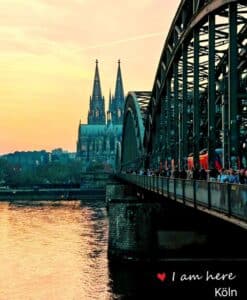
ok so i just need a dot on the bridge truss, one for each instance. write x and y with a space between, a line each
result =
199 96
135 114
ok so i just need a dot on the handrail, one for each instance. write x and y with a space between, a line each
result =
229 199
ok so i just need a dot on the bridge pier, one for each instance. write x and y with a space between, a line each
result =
142 228
132 224
147 227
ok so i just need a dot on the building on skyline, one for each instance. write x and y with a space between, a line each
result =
29 159
62 156
97 140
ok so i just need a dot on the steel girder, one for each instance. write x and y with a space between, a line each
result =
199 96
135 113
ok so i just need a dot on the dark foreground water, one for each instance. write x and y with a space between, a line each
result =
58 251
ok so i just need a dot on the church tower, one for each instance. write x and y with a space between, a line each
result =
96 114
116 106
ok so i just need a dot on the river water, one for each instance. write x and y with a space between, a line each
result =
54 250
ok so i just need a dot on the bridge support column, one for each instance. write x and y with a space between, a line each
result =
183 144
132 222
143 228
233 87
211 93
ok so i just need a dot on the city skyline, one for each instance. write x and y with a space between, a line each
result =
48 54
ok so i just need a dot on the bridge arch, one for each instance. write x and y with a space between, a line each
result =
199 96
132 150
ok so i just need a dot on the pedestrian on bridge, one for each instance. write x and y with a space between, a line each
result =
233 176
203 174
176 173
183 174
223 177
195 173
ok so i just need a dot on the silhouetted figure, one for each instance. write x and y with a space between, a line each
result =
223 176
168 172
242 178
213 174
233 176
163 173
176 173
203 174
183 174
195 174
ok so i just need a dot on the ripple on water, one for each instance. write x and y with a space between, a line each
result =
53 251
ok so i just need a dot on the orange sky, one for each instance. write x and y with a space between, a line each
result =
47 59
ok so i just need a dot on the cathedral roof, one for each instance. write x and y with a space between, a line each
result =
99 130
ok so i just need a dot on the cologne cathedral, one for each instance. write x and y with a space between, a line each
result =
99 138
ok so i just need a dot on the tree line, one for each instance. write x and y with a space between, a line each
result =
50 173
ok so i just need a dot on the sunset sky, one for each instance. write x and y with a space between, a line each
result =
48 50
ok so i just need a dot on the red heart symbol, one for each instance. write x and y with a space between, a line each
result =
161 276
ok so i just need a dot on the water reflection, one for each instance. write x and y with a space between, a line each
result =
53 250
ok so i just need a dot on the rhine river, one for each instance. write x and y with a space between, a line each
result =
53 250
57 250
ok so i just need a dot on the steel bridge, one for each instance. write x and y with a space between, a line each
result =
198 104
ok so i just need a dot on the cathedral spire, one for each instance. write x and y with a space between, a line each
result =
117 103
96 84
119 92
96 114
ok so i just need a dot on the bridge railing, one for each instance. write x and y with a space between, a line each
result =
230 199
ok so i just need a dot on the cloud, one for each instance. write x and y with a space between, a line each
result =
62 3
47 57
64 27
122 41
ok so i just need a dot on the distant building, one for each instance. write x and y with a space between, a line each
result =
97 140
27 159
63 156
